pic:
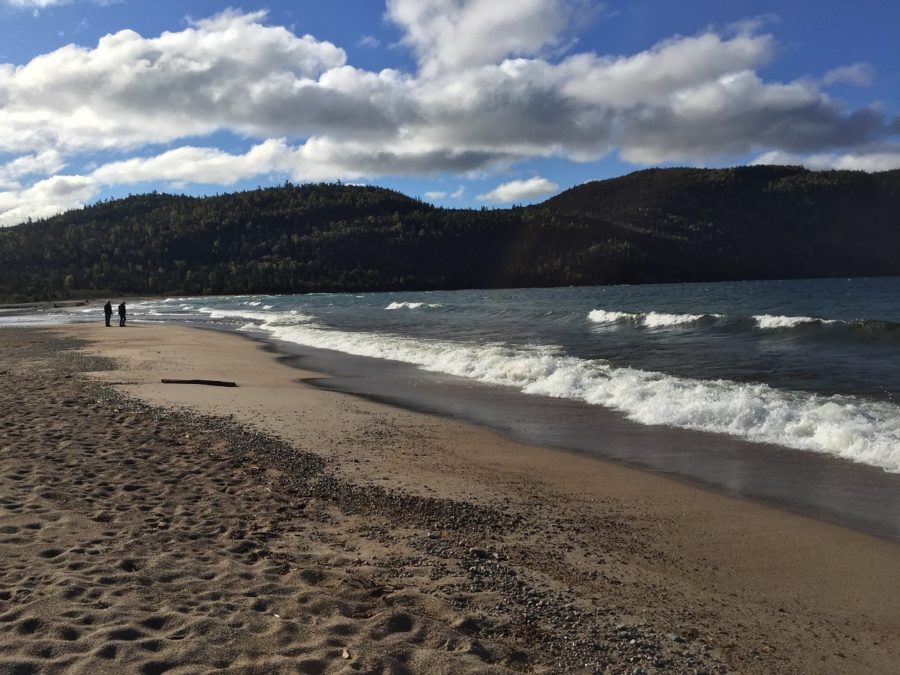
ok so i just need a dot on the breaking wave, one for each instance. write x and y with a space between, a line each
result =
414 305
843 426
858 329
648 319
265 319
767 321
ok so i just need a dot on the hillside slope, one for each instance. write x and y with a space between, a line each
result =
754 222
661 225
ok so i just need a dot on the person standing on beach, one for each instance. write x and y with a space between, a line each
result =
122 313
107 312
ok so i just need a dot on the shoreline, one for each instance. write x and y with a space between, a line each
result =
739 585
809 484
298 358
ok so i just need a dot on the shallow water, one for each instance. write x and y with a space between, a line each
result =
780 391
810 365
817 485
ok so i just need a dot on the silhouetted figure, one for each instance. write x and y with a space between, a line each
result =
122 314
107 311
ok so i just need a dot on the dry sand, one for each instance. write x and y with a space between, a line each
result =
276 527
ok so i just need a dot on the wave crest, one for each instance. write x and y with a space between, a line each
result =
843 426
648 319
769 322
414 305
659 319
605 316
289 318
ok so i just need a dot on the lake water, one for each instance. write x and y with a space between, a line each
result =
812 365
785 391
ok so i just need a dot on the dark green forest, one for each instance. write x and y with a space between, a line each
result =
658 225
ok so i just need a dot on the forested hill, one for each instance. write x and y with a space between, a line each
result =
656 225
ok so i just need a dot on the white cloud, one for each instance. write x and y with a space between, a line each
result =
227 72
37 5
131 91
46 198
42 164
520 190
454 35
857 74
368 41
491 89
668 68
34 4
738 113
884 159
197 165
436 195
753 24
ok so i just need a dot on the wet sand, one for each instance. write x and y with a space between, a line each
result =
277 527
852 494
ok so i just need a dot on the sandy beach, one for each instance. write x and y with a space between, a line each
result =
277 527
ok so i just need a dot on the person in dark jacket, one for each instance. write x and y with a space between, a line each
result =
107 311
122 313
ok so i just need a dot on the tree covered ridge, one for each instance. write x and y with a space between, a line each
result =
658 225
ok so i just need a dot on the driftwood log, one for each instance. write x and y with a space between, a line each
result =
211 383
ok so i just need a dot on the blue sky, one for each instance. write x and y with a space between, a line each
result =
459 102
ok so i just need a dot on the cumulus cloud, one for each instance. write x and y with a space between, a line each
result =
520 190
46 198
229 71
197 165
454 35
177 167
493 86
234 72
311 161
654 76
42 164
739 112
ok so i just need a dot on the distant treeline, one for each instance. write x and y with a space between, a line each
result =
660 225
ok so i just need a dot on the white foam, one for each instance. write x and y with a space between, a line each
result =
856 429
271 318
604 316
413 305
768 321
289 318
648 319
213 313
661 320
